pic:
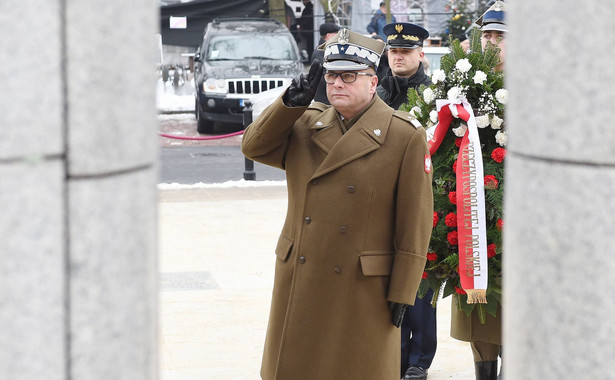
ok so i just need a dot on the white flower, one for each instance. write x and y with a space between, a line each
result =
416 111
501 138
438 76
482 121
463 65
428 95
496 122
433 116
461 130
479 77
502 95
453 94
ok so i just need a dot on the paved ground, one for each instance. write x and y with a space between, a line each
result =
216 265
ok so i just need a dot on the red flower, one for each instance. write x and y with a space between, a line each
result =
491 250
424 275
452 197
452 238
455 166
451 220
498 154
459 290
499 224
432 256
435 219
491 182
458 142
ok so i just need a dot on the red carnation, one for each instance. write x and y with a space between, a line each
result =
452 197
498 154
455 166
452 238
435 219
499 224
451 220
424 275
459 290
458 142
491 250
491 182
432 256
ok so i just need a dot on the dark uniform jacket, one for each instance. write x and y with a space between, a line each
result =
356 233
394 90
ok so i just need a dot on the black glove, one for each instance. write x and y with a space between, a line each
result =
399 309
302 89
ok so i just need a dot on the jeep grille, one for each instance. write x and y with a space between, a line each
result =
253 86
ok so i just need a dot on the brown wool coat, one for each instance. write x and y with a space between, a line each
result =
469 328
355 237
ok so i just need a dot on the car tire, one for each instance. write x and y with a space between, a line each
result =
202 125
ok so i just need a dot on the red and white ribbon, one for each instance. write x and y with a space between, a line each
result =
471 224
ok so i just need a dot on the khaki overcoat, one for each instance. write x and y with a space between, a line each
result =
469 328
356 233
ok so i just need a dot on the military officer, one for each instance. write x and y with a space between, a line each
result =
352 249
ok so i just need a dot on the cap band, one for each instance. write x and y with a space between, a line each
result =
349 51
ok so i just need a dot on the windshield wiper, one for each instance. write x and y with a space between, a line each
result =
259 57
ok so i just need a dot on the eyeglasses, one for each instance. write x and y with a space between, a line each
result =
347 76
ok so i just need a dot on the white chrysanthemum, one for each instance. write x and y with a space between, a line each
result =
479 77
433 116
501 138
461 130
438 76
501 95
428 95
416 111
463 65
453 94
496 122
482 121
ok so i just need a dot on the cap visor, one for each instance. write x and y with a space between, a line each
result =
410 47
341 65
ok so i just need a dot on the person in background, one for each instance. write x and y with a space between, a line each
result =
383 66
485 339
418 328
327 31
352 251
306 24
378 21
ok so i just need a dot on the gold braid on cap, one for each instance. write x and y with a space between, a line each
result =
392 37
410 38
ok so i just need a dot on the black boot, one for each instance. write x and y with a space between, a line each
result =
486 370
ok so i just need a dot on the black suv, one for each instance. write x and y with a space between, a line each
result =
237 59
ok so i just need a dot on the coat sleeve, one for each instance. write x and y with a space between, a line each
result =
414 220
266 139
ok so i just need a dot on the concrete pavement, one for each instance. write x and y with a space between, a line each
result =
216 265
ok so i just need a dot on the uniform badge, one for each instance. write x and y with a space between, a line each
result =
427 163
343 36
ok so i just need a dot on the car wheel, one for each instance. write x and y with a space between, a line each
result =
202 125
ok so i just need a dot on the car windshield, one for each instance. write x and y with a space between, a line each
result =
238 47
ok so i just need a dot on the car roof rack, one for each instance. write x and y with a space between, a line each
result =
217 20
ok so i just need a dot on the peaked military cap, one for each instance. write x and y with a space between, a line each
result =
351 51
493 18
404 35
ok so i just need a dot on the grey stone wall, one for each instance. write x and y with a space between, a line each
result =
558 238
78 174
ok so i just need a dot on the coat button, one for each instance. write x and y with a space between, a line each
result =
302 260
337 270
315 181
308 220
351 189
343 229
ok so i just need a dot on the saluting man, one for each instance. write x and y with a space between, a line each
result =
405 52
352 250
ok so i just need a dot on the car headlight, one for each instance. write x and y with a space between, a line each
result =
213 85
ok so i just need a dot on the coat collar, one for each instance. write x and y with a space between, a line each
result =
365 136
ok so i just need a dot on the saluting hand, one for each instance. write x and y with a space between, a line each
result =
302 89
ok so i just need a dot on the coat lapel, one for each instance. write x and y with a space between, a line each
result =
365 136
